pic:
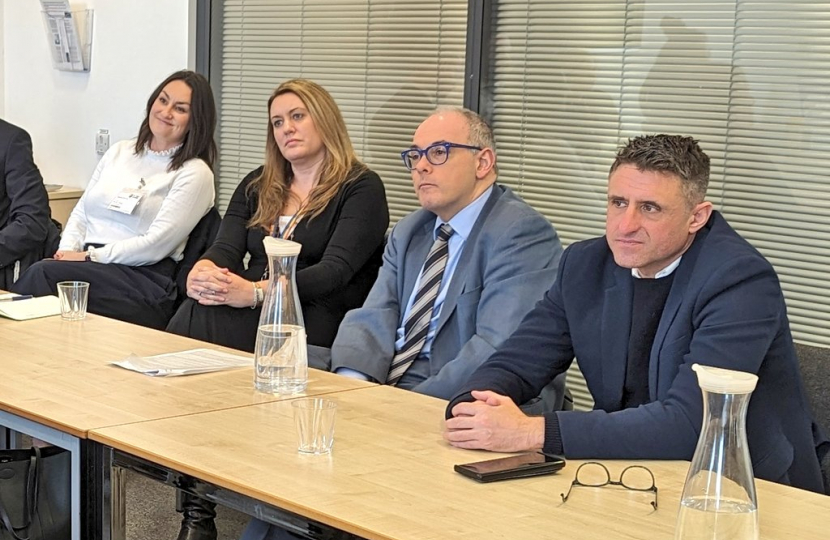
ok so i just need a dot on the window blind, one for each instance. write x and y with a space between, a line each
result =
776 191
572 81
387 66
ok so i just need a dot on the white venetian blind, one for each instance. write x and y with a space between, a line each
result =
387 65
555 84
676 75
571 81
776 191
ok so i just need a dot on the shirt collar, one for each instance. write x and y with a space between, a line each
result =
662 273
462 222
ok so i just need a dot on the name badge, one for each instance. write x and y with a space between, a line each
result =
126 201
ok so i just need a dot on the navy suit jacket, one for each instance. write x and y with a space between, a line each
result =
725 309
507 263
27 233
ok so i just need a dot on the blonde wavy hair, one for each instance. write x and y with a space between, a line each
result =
340 164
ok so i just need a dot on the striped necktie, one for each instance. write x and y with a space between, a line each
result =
416 324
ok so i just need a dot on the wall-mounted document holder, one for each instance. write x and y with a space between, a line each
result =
70 37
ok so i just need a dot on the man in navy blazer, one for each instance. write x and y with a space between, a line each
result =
505 258
26 230
671 284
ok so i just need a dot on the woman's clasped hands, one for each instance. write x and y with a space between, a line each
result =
211 285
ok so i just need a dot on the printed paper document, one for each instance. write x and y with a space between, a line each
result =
184 362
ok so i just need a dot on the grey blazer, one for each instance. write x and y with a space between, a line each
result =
507 263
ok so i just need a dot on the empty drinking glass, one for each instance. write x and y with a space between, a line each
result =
314 420
73 297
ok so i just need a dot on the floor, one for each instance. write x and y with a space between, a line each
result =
151 512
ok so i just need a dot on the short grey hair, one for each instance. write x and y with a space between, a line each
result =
481 134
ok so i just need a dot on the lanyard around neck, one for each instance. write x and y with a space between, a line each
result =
287 232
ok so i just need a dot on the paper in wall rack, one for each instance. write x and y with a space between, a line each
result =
69 34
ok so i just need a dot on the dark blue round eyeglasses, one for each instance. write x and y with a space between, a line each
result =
437 153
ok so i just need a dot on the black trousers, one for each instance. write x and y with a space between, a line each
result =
236 327
224 325
143 295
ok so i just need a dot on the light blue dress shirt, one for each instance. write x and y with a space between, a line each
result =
462 223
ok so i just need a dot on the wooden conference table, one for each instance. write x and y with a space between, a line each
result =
57 385
391 477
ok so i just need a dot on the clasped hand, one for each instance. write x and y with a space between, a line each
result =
493 422
211 285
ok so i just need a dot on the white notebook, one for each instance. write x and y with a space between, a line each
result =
33 308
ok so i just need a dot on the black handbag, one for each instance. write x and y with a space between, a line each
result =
35 494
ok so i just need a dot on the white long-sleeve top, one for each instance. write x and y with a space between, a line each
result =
170 207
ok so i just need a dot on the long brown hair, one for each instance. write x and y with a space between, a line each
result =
198 141
340 164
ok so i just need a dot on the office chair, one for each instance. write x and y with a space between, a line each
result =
199 241
815 371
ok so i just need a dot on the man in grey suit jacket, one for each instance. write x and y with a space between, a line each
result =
502 257
27 233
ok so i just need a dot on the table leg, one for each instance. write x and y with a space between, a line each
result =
106 509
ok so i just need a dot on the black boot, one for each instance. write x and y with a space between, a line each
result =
197 520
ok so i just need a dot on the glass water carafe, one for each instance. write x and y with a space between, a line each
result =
280 356
718 501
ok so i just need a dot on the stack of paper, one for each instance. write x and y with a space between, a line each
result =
184 363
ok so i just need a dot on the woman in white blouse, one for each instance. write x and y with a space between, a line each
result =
130 227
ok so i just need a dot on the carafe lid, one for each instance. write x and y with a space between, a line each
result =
280 247
724 381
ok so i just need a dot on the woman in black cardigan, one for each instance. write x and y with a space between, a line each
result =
312 190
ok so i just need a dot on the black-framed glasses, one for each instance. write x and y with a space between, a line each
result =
595 474
437 153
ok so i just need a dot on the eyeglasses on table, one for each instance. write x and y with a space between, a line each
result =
594 474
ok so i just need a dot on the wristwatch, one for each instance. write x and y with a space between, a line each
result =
90 255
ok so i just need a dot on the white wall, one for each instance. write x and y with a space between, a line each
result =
136 44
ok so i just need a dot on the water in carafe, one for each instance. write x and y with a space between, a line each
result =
718 501
280 355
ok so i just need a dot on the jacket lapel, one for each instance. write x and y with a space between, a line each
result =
673 303
616 327
458 283
682 276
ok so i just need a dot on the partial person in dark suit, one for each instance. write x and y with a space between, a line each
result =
27 233
500 257
312 190
671 284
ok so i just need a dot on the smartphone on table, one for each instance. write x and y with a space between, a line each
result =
506 468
